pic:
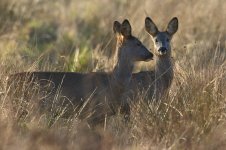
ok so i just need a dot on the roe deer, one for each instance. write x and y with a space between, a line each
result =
101 88
157 82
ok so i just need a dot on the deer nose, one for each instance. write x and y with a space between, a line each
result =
162 50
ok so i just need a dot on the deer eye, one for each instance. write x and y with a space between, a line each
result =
156 40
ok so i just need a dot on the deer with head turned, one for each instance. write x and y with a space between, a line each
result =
156 83
103 89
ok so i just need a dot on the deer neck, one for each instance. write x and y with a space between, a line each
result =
163 72
122 71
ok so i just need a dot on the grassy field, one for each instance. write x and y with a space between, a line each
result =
66 35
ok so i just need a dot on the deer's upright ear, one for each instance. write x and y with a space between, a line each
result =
126 29
172 26
117 27
150 27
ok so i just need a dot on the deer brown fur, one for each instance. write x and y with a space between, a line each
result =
101 90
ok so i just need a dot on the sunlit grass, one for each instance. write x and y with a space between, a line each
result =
77 36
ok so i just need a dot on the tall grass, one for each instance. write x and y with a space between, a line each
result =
77 36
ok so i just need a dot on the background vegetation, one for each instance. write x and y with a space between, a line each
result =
66 35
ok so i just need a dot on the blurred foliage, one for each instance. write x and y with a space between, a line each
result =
42 34
7 16
80 60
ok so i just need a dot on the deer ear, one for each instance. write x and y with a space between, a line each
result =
150 27
117 27
172 26
126 29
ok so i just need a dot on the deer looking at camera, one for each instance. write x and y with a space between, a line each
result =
156 83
